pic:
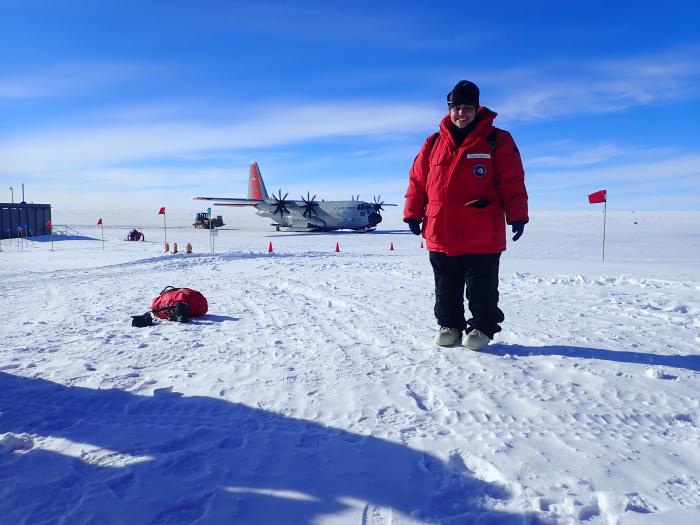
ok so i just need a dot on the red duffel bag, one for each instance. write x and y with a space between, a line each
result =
164 304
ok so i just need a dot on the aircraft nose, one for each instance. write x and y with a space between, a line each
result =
374 219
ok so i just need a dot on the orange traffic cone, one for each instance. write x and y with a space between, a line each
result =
269 247
337 247
391 248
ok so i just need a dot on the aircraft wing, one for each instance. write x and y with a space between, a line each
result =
227 201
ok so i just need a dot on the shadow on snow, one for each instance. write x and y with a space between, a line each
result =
336 232
687 362
211 319
59 238
212 459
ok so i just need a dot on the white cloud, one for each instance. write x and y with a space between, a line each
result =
65 80
119 144
575 157
546 92
661 174
567 154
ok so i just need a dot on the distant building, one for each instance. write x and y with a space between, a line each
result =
29 220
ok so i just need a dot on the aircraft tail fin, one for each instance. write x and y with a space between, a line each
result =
256 186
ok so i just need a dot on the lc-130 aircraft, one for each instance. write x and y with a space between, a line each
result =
308 214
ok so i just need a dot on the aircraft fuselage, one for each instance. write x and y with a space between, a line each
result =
305 214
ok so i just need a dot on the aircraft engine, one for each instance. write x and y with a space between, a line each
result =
309 205
374 219
377 204
280 204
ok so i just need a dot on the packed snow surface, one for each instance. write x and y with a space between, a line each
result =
312 393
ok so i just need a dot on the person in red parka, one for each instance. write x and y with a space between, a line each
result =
466 183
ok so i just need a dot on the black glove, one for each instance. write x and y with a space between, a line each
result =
518 229
413 225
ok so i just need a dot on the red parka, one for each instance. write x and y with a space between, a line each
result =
445 177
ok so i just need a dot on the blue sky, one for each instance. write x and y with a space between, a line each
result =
116 105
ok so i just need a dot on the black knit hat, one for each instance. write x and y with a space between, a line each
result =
464 93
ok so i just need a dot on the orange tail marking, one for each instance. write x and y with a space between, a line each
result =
254 190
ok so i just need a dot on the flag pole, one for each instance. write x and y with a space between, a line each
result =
605 216
103 236
165 230
211 233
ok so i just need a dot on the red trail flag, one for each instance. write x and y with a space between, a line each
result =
99 223
598 196
49 225
595 198
165 229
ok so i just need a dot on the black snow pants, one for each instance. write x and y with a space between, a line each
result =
479 272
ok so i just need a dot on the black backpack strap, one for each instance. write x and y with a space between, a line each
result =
433 138
163 309
168 289
492 139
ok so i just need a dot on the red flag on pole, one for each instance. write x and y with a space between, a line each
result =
595 198
99 221
165 231
598 196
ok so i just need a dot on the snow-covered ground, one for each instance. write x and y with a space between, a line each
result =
311 392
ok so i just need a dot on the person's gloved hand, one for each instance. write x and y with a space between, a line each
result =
414 226
518 229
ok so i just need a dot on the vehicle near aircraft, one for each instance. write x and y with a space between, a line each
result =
202 220
306 214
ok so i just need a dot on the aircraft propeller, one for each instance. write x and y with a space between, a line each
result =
280 203
309 205
377 204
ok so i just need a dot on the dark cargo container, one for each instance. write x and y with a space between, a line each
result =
28 219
